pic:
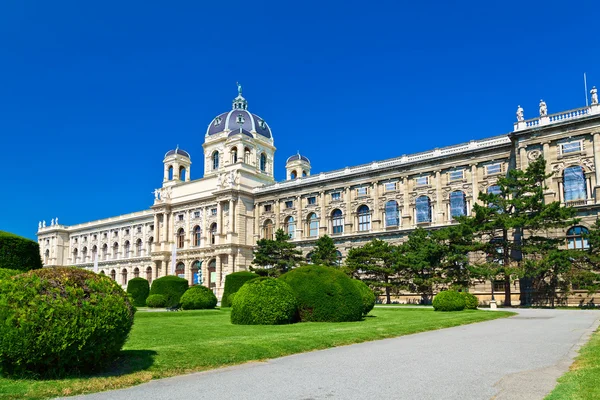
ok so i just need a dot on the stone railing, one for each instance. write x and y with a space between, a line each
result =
119 218
557 118
392 162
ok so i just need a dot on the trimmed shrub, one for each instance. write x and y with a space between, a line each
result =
7 273
156 301
449 300
17 252
324 294
198 298
172 287
61 320
233 283
471 301
264 301
230 298
139 289
367 295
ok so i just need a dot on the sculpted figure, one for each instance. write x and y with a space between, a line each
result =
43 223
39 225
56 221
52 222
519 113
594 93
156 194
543 108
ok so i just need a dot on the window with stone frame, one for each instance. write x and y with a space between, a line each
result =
456 175
493 169
571 147
337 222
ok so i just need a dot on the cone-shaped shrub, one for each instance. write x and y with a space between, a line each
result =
139 289
264 301
367 295
61 320
233 283
324 294
198 298
448 300
172 287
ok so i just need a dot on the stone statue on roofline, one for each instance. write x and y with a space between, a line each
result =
594 93
543 108
52 222
519 113
43 223
39 225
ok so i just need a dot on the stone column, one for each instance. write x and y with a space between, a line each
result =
439 208
276 207
597 165
549 194
187 230
231 220
348 223
406 217
322 219
219 219
475 183
523 158
376 215
299 219
256 223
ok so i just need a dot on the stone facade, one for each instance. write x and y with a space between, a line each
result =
214 222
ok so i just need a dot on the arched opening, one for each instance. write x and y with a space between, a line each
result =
337 222
138 247
212 273
170 172
364 218
197 272
213 233
150 243
197 235
263 162
293 174
215 160
113 275
423 206
149 274
180 270
115 250
392 215
338 261
102 273
127 248
124 277
136 272
46 257
304 174
576 238
74 256
84 252
234 155
290 227
574 184
313 225
182 172
180 238
105 251
458 204
247 154
268 230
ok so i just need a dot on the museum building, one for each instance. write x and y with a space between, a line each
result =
203 229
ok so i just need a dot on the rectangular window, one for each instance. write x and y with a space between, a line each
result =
336 196
455 175
196 214
151 227
493 169
570 147
390 186
422 180
498 286
289 204
213 211
180 217
268 207
311 200
139 229
95 237
361 191
75 240
127 231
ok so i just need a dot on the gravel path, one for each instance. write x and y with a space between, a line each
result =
515 358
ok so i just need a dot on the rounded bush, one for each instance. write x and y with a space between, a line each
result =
449 300
156 301
264 301
233 283
198 298
172 287
61 320
471 301
20 253
324 294
367 295
139 289
7 273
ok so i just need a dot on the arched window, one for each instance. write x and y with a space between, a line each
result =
149 274
127 248
574 184
313 225
138 247
74 256
337 222
124 277
180 270
182 173
458 204
170 172
136 272
309 258
197 235
575 239
104 251
102 273
293 175
46 257
247 155
263 162
115 250
84 254
150 242
233 155
94 252
290 227
180 238
338 260
212 274
304 174
196 273
268 229
213 233
423 205
215 160
392 217
364 219
113 275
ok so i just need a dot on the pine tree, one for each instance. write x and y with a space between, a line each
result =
325 252
275 257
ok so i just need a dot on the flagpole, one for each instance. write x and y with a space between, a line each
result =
586 92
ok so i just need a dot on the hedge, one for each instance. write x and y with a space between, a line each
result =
139 289
61 320
324 294
233 283
366 294
198 298
471 301
264 301
7 273
19 253
172 287
449 300
156 301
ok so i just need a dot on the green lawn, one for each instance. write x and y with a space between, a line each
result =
165 344
583 380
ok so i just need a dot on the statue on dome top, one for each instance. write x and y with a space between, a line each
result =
239 86
543 108
594 93
519 113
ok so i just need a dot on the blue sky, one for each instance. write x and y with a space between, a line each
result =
93 95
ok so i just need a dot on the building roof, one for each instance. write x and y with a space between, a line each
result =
179 152
297 157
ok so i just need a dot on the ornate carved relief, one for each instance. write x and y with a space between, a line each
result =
533 155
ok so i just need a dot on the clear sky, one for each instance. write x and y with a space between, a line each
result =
93 95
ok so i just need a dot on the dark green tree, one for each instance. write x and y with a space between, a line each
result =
455 242
17 252
375 264
325 252
275 257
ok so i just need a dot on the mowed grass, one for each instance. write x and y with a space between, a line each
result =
582 382
164 344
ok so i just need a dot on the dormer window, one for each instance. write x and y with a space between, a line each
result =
240 119
262 124
218 121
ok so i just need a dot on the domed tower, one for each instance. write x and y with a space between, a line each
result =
297 166
177 165
239 140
